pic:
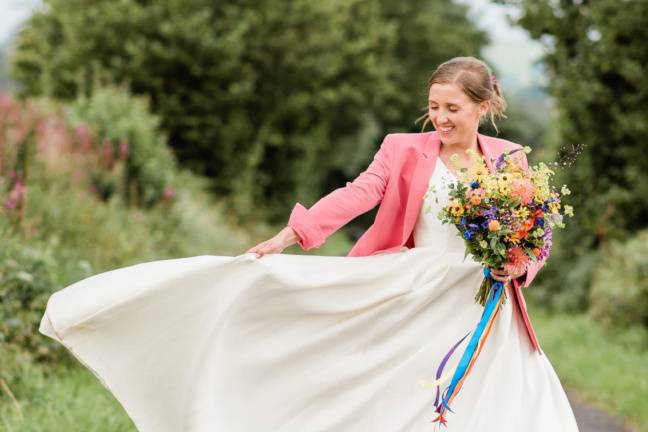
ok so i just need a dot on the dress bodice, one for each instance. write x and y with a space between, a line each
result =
428 230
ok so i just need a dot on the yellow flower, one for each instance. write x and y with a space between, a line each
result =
456 209
522 213
478 172
504 178
504 182
512 239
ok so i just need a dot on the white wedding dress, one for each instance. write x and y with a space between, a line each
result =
297 343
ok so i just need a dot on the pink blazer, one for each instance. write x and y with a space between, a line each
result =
397 178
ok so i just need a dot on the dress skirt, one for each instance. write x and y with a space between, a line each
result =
298 343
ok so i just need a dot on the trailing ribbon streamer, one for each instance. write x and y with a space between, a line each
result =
469 356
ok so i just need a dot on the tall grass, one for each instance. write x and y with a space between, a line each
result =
607 368
55 398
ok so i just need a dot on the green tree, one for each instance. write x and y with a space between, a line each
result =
275 101
596 57
427 33
253 94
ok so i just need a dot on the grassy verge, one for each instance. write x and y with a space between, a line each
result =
55 398
608 369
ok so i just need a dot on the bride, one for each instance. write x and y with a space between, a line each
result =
266 341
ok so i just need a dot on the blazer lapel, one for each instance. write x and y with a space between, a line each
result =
487 151
425 163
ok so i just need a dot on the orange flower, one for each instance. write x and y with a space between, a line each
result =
476 195
518 261
493 225
528 223
523 189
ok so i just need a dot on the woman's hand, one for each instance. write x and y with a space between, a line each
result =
502 276
284 238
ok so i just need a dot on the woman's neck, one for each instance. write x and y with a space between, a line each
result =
461 149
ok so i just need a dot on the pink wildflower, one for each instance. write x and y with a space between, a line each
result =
19 189
168 193
10 203
5 101
517 261
85 141
523 189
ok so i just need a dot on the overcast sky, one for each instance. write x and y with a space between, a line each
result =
512 52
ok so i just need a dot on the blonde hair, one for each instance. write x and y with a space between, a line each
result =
475 79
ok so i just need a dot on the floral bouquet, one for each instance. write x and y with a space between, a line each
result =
506 217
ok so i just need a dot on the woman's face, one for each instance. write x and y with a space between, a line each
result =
454 115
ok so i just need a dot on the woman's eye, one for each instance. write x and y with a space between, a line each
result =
433 107
453 109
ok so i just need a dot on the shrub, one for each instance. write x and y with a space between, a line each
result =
121 127
619 294
26 281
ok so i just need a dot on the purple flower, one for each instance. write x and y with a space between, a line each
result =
490 213
500 161
548 243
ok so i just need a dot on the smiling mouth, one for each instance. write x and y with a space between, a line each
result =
445 129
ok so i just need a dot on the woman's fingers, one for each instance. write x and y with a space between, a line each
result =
263 248
500 275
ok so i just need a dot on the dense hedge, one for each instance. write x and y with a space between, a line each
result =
619 295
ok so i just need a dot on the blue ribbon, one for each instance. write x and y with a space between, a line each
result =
491 303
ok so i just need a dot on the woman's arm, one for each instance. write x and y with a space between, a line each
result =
333 211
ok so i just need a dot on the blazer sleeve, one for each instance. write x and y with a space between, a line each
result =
535 266
333 211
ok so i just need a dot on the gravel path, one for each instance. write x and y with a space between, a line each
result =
592 419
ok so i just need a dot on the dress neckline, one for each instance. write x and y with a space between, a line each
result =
454 177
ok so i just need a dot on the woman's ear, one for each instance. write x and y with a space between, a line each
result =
483 108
